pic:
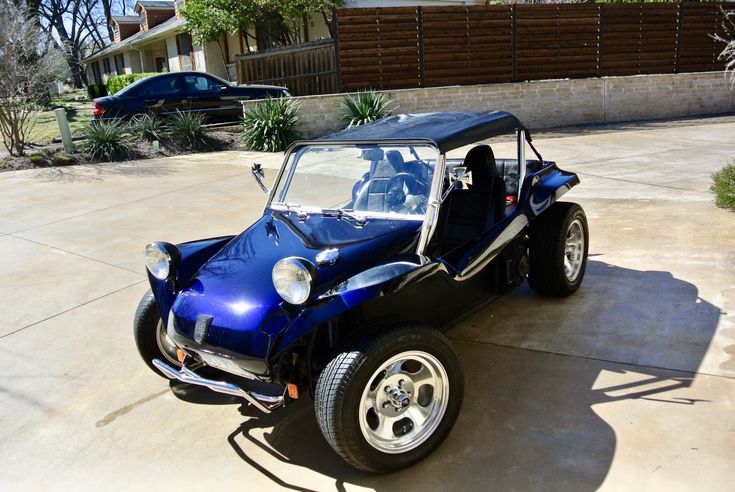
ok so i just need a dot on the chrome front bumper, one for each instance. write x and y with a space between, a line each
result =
264 403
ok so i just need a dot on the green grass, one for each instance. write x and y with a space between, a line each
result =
78 112
723 186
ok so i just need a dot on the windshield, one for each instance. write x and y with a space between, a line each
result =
366 180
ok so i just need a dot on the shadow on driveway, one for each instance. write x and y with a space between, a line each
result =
527 421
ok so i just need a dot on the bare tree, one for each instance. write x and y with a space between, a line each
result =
728 54
28 64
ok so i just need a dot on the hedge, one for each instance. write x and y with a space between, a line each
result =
96 90
118 82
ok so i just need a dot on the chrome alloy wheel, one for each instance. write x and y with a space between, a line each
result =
404 402
166 345
574 250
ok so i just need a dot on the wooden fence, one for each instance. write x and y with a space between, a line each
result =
406 47
306 69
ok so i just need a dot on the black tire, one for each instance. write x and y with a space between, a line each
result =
547 250
146 327
340 387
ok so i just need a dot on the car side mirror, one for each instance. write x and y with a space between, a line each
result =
259 175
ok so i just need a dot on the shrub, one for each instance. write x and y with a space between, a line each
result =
106 140
96 90
37 158
187 130
723 186
63 160
271 125
119 82
364 107
149 127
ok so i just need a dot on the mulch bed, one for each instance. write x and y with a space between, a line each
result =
53 155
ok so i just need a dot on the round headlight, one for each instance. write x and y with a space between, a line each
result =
292 280
159 259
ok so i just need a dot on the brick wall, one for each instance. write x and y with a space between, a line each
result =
550 103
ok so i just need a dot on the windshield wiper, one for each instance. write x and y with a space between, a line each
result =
341 213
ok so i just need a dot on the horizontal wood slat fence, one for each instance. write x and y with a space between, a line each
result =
306 69
408 47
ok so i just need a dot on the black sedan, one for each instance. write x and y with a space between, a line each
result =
168 93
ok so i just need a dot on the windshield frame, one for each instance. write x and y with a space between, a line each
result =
297 146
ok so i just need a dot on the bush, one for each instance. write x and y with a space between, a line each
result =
364 107
149 127
119 82
187 130
96 90
271 125
37 158
723 186
106 140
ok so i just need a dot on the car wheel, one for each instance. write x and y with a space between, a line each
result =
558 245
388 402
150 335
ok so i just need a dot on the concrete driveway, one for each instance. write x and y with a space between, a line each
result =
629 384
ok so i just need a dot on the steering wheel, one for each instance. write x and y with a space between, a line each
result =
395 197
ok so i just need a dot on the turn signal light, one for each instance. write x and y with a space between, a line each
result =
293 391
181 355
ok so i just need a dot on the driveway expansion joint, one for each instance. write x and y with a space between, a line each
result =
76 254
6 335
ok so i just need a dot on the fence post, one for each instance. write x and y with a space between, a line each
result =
679 19
337 68
600 34
420 14
514 49
64 130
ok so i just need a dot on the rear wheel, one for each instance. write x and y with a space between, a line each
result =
558 245
387 403
150 335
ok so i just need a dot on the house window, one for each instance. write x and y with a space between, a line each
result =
120 64
96 72
186 51
270 33
106 64
160 64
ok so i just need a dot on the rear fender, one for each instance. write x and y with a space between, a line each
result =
543 188
193 255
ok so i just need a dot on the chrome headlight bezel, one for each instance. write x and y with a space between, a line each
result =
293 279
162 260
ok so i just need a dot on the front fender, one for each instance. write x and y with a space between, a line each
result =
194 254
376 282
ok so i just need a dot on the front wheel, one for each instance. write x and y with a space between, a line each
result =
558 245
150 335
388 402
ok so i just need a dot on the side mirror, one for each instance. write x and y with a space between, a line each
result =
259 175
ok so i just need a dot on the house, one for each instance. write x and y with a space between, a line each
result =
154 40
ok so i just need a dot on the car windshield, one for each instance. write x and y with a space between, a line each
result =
364 180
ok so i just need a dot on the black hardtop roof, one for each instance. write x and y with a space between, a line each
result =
448 130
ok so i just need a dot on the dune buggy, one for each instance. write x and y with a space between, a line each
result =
371 243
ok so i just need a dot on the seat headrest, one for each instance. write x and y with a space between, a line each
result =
396 159
480 161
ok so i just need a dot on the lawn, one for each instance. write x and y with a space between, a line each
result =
78 111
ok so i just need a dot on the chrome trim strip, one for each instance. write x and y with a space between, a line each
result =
432 211
264 403
521 160
510 232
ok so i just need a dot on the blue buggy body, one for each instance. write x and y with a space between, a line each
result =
418 237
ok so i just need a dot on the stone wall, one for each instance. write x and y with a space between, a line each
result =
550 103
